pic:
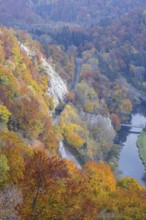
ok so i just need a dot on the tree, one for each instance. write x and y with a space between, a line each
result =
71 126
126 106
14 149
129 183
116 121
29 115
9 86
42 187
89 106
100 177
4 116
3 169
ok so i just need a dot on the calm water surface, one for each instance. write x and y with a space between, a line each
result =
130 163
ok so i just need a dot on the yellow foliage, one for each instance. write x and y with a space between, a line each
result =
89 106
100 177
126 107
129 183
4 115
70 127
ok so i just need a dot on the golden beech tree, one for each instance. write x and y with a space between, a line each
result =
42 187
4 116
54 189
72 136
14 149
100 177
101 182
70 126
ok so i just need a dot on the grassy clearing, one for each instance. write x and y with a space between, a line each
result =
141 143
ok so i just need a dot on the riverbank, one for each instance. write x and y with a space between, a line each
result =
141 143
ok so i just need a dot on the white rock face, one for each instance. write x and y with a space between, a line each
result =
105 121
27 50
95 119
106 133
57 87
104 126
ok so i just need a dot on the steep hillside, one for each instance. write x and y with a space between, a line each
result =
97 63
25 100
31 88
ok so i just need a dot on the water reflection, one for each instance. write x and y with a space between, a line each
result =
129 163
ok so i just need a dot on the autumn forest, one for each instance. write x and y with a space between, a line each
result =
71 72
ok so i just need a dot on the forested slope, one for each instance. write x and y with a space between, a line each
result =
24 97
92 70
34 182
122 47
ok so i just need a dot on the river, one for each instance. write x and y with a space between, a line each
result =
130 163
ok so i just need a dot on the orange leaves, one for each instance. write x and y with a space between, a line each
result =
34 122
116 121
100 177
56 189
27 112
42 178
14 149
126 106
